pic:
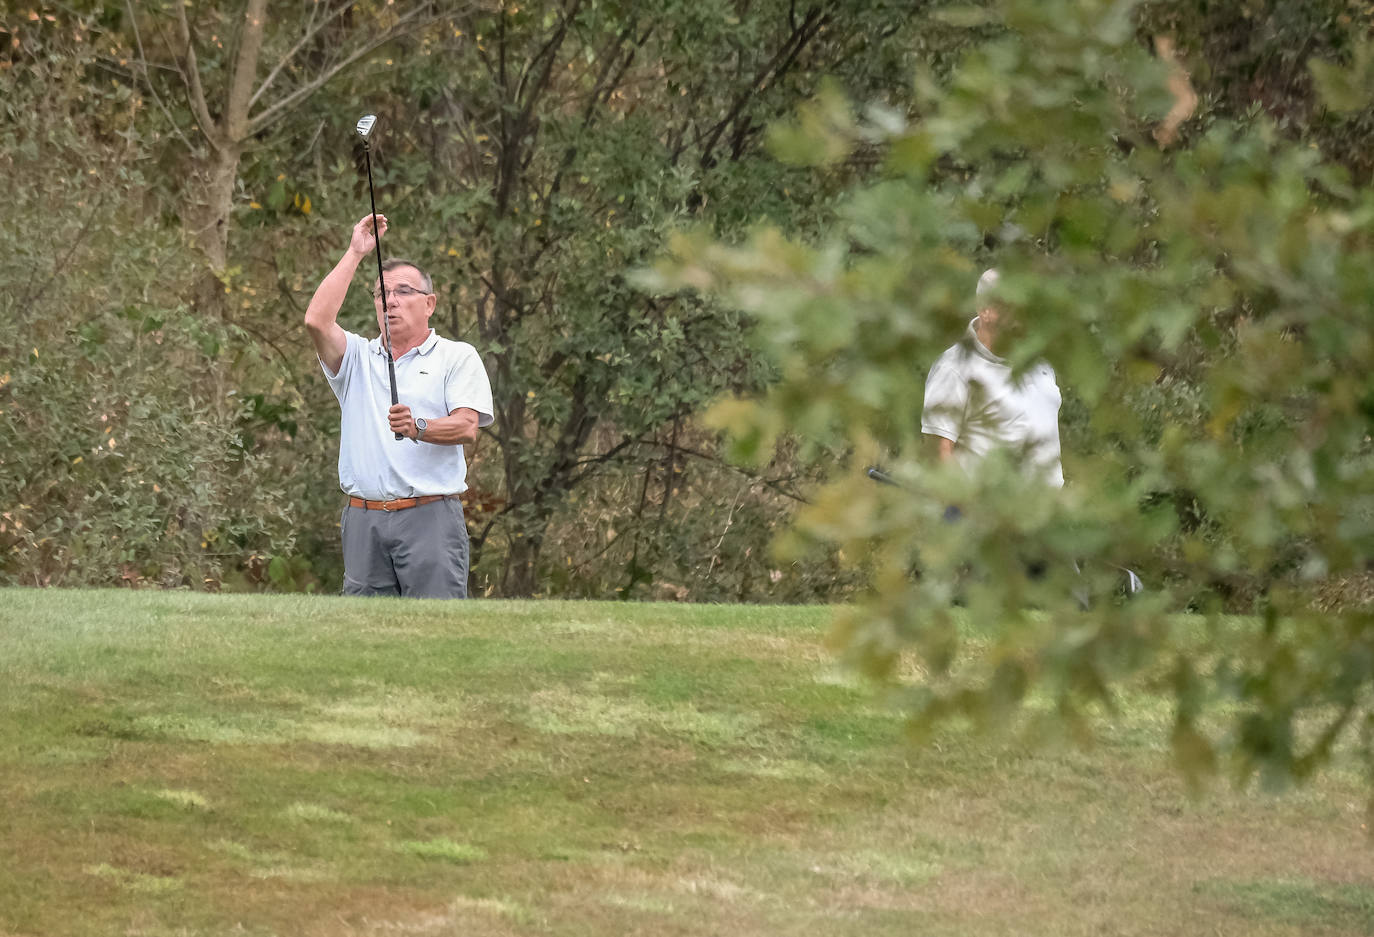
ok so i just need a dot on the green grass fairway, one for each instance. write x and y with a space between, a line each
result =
176 765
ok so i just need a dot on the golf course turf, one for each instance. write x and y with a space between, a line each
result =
186 764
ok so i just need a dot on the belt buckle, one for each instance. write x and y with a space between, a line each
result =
386 506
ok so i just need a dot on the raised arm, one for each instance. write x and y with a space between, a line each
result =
321 316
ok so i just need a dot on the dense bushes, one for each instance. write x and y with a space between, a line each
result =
121 444
150 435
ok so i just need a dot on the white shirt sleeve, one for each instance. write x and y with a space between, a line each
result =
946 400
467 385
354 350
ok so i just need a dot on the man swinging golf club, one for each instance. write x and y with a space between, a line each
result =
401 464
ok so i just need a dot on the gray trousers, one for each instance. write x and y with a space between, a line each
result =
420 552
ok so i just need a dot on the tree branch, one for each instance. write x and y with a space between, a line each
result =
779 63
147 80
773 483
245 69
265 118
190 76
312 30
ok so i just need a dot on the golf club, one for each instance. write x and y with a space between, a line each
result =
365 127
878 475
1132 584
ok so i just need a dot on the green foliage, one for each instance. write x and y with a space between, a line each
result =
1347 90
1305 65
122 452
528 158
697 530
1207 307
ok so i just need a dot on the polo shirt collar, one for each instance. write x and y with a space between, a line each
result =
424 348
978 346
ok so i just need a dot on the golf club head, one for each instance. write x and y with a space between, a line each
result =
878 475
365 126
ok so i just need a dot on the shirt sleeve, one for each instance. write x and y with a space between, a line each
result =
354 348
946 400
467 385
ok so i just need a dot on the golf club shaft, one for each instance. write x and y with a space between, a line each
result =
878 475
381 283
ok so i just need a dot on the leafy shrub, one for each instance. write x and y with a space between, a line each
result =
122 454
1207 299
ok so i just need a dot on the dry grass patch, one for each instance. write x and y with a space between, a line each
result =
444 850
138 883
563 711
315 813
188 800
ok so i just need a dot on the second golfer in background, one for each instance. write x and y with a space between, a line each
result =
975 405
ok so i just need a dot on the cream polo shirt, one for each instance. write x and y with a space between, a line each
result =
433 380
972 400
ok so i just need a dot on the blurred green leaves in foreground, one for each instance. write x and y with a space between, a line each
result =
1204 291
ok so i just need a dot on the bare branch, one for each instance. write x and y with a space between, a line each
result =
147 81
190 75
312 30
245 68
774 484
549 55
266 118
783 59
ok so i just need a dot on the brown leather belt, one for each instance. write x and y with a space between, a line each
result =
396 504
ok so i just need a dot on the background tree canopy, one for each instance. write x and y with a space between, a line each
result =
1203 289
193 174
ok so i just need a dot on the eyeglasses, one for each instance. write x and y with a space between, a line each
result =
404 291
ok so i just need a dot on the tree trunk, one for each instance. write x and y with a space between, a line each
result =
520 575
528 522
225 134
210 223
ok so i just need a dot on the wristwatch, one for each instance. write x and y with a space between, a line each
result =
420 426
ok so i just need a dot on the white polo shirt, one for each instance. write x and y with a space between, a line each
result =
433 380
972 400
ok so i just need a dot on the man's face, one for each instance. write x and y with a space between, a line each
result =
998 318
408 306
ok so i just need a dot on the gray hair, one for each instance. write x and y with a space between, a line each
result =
394 262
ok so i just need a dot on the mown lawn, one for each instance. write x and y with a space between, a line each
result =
176 764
